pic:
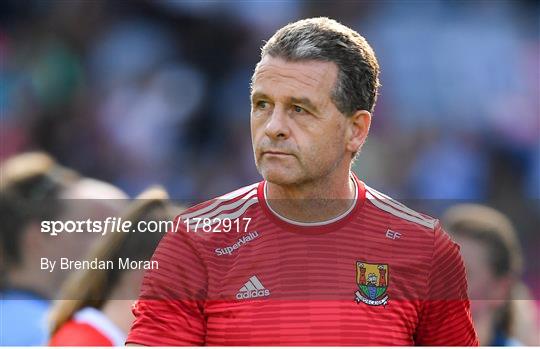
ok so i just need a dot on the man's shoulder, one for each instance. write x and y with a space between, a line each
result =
397 213
228 206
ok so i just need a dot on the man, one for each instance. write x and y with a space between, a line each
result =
279 262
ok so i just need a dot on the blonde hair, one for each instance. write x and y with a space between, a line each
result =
91 287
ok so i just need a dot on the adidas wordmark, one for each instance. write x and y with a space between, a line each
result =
253 288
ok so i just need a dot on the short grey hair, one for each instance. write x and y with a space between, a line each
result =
324 39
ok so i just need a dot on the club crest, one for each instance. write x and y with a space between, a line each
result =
372 280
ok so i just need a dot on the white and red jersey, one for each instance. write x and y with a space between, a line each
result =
88 327
378 275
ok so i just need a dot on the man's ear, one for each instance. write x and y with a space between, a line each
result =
358 129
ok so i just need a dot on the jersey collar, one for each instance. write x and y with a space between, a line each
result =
314 227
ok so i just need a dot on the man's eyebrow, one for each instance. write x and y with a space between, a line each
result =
259 95
305 102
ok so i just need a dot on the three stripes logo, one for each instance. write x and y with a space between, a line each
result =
253 288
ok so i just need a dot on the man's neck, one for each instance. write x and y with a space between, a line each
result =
315 201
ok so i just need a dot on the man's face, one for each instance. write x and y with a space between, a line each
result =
298 134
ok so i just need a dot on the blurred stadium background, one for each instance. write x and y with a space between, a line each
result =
153 91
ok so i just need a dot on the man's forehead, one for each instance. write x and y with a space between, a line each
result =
312 74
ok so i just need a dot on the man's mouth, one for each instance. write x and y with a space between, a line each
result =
275 153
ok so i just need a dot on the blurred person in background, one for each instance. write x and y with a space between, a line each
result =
502 308
35 188
28 181
94 307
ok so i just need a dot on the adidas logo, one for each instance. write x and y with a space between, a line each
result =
253 288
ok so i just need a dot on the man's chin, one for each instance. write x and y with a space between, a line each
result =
278 177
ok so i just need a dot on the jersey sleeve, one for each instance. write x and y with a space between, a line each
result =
445 319
170 308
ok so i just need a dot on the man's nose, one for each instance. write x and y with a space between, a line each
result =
277 126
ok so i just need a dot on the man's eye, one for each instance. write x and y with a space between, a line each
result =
262 104
298 109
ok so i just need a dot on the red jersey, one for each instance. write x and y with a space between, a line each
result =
237 273
89 327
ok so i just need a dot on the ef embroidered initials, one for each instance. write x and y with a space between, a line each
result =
394 235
